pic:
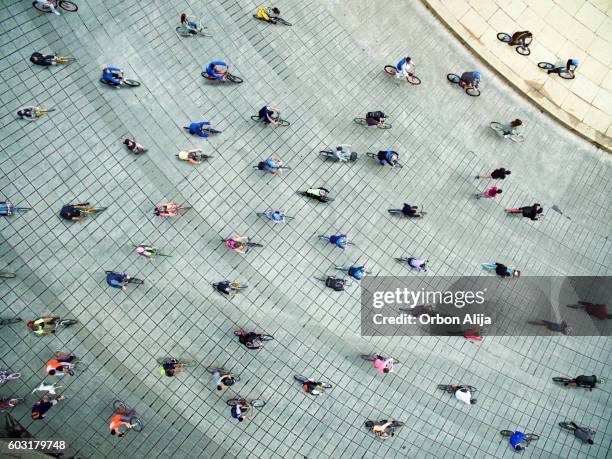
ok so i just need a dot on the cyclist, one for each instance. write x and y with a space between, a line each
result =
226 288
120 423
49 4
272 165
390 157
43 59
73 211
517 441
357 272
418 264
59 363
276 215
383 364
113 76
343 152
6 209
519 38
133 146
237 244
405 67
3 376
383 429
171 367
147 251
375 118
513 128
589 382
502 270
463 394
269 115
320 194
217 70
190 155
310 386
584 434
470 80
117 279
29 113
531 212
411 211
223 381
339 240
239 410
200 129
570 67
43 325
268 14
248 339
189 23
169 209
41 407
337 284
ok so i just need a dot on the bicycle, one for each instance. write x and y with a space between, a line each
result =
262 167
411 78
569 382
456 79
562 71
57 324
125 82
223 372
269 215
504 131
66 5
8 403
77 366
281 122
32 113
262 337
256 403
375 156
7 275
179 365
93 210
571 426
228 77
176 208
383 435
528 437
248 244
326 238
129 280
449 388
522 48
208 129
344 269
328 154
321 386
197 157
327 198
374 357
200 30
234 288
8 376
11 321
64 59
418 213
408 260
276 19
120 407
381 125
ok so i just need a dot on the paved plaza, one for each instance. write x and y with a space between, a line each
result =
322 72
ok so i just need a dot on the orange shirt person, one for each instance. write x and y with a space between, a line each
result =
119 424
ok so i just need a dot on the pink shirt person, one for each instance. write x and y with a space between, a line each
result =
384 364
490 193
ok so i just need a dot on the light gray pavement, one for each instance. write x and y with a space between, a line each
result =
323 72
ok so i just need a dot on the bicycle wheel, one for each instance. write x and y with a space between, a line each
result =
453 78
137 424
368 357
517 138
7 275
68 322
120 405
40 7
68 6
264 337
134 280
360 121
239 332
131 83
234 78
567 75
212 131
504 37
14 320
372 155
20 209
506 433
498 127
571 306
474 92
181 31
390 70
235 401
384 126
283 123
287 168
413 80
567 426
369 424
253 244
445 387
257 403
546 65
325 385
15 401
282 21
531 437
523 50
12 376
215 369
394 211
561 380
397 423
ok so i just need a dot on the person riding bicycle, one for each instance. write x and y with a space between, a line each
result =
28 113
589 382
169 209
269 115
584 434
248 339
73 211
239 410
405 67
320 194
390 157
171 367
120 423
43 325
463 394
147 251
570 67
470 80
357 272
117 279
502 270
418 264
43 59
519 38
41 407
375 118
513 128
339 240
59 363
310 386
223 381
383 429
343 152
190 24
201 129
517 441
337 284
51 4
272 165
217 70
237 244
409 210
383 364
224 287
6 209
268 14
133 146
113 76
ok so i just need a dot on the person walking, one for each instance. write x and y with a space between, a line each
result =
562 327
489 193
498 174
532 212
596 310
41 407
